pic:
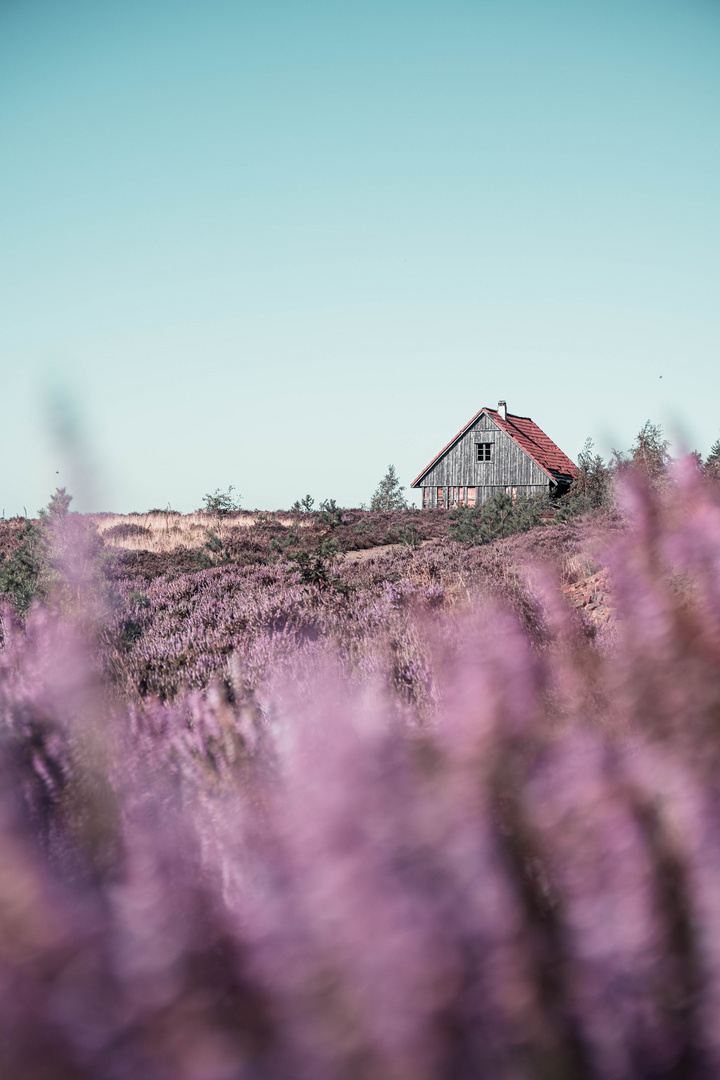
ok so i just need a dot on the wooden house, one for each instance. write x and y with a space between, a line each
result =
495 451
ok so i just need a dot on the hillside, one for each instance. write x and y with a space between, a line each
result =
193 598
268 811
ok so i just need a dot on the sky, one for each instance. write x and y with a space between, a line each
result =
282 244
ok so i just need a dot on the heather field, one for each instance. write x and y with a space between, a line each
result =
338 795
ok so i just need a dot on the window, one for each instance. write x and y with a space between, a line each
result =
484 451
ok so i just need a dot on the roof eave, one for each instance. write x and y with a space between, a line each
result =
554 478
445 449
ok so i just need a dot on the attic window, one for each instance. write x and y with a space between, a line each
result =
484 451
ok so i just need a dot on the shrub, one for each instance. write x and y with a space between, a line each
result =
500 515
214 551
23 574
126 530
410 536
330 513
315 567
55 556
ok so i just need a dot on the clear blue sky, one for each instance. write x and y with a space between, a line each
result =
282 244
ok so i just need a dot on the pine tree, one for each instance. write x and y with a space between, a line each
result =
303 506
389 493
712 463
498 516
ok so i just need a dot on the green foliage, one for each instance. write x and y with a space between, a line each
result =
21 575
125 530
388 494
712 463
499 516
591 489
139 599
648 455
214 551
315 566
214 543
57 509
409 536
33 571
330 513
304 505
279 546
221 503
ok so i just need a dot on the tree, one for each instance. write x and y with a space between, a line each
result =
303 506
330 513
592 487
221 502
389 493
57 509
712 463
649 454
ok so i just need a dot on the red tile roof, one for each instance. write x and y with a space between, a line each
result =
527 435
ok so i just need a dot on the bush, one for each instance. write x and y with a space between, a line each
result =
126 530
315 567
214 551
410 536
23 575
330 513
54 553
500 515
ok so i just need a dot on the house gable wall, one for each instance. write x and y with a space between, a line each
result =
510 467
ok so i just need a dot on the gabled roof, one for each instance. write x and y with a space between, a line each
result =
529 437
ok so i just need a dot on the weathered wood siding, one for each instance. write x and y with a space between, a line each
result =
473 496
511 467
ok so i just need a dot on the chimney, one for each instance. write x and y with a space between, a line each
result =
502 409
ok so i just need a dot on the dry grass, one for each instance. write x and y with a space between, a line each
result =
578 566
168 532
